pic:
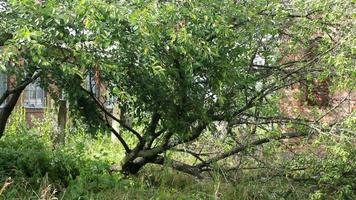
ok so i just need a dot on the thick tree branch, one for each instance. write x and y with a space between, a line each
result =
9 106
177 165
19 87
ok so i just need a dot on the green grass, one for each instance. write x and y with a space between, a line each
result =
31 169
79 171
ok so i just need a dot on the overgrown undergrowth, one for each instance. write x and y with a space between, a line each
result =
30 168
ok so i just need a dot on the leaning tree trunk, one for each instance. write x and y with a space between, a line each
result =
129 167
6 111
134 166
10 97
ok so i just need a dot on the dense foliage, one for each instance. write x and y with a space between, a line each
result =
196 86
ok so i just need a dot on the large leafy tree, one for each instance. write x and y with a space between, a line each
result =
179 68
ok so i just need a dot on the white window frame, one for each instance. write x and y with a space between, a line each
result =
40 97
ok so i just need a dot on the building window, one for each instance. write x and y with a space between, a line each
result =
3 85
35 96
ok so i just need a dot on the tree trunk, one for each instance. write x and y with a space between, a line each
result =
12 98
59 137
138 163
62 114
5 112
130 167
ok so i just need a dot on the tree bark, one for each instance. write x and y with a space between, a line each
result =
138 163
134 162
6 111
60 135
12 97
134 166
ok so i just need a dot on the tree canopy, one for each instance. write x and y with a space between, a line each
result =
179 68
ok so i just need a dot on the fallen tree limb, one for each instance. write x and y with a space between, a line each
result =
240 148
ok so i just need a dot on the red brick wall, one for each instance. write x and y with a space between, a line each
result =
34 113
